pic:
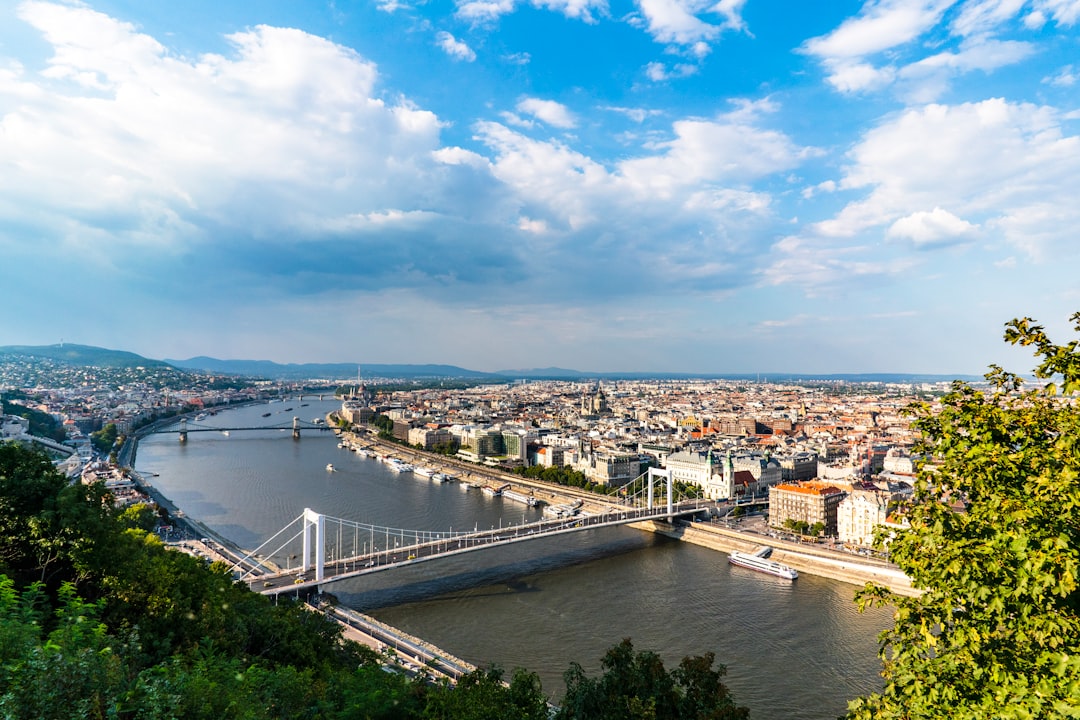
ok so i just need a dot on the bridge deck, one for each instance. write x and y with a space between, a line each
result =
304 579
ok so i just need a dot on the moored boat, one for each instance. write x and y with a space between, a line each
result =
758 561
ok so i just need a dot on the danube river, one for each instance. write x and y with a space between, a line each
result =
793 650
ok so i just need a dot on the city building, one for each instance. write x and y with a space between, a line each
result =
811 502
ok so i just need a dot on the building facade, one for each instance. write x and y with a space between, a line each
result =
810 502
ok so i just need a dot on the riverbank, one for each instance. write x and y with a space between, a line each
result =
831 564
806 559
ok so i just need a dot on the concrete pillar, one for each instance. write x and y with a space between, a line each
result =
183 430
296 428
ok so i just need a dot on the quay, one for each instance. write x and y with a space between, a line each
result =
805 558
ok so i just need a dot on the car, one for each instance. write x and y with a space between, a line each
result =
298 580
267 583
412 557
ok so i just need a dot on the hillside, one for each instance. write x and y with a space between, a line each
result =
82 355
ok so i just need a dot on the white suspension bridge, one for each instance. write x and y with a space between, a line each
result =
335 548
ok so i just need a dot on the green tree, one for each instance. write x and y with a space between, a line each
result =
636 686
104 439
481 695
994 546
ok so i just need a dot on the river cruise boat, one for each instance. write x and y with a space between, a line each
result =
759 561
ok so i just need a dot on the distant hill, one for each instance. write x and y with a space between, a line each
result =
557 373
82 355
332 371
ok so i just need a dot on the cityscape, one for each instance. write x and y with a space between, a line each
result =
546 359
847 445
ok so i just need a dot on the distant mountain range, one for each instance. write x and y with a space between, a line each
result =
87 355
332 371
82 355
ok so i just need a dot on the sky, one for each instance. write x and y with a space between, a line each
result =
713 186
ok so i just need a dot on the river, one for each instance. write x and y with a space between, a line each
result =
793 650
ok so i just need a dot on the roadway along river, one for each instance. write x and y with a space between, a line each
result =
793 650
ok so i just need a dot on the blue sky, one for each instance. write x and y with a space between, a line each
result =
681 185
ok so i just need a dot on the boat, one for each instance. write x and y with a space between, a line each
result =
329 467
759 561
423 471
225 433
266 414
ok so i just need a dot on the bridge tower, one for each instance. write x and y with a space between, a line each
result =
183 430
662 473
316 522
296 428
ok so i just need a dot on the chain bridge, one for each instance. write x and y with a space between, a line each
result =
185 427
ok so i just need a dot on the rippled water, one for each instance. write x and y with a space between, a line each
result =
793 650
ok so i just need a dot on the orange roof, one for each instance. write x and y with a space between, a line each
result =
810 487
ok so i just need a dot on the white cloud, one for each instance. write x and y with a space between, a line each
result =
675 21
549 111
454 47
732 148
983 16
1064 12
484 11
919 43
516 120
521 58
459 156
638 115
880 26
999 164
578 9
1066 77
936 227
658 72
156 147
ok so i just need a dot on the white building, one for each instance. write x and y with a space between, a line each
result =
861 513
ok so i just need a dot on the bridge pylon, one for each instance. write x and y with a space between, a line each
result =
183 430
314 522
662 473
296 428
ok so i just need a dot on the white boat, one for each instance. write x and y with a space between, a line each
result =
423 471
329 467
758 561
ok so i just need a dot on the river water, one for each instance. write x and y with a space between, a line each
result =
792 650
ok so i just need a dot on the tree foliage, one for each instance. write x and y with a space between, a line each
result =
994 545
636 686
104 439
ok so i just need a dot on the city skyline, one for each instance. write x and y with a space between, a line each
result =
664 185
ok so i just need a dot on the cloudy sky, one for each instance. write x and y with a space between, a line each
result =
682 185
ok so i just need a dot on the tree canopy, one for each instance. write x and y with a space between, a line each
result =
994 545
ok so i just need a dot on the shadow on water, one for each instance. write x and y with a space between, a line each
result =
442 582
